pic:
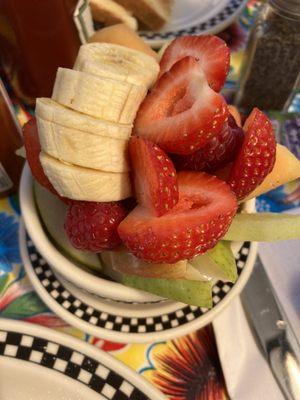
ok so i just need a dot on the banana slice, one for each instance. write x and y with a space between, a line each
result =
117 62
50 110
82 148
80 183
97 96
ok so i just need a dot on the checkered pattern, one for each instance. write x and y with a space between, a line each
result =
119 323
73 364
226 13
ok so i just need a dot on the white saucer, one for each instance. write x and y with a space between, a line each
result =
37 363
127 322
194 17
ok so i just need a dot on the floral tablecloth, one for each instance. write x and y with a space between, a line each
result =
185 368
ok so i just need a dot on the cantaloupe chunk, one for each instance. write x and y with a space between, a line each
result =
286 169
124 36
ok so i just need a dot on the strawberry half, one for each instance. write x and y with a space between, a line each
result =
155 178
256 157
211 52
181 113
33 149
218 152
201 217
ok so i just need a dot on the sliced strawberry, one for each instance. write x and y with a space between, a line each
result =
256 157
201 217
211 52
33 149
155 178
93 226
181 113
219 151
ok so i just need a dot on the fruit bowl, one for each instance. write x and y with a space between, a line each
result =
82 276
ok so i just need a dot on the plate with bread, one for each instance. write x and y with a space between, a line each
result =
160 21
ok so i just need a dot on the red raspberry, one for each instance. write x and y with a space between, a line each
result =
218 152
93 226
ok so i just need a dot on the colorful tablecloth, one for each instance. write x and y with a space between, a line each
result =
185 368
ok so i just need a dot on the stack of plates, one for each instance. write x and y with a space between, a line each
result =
105 308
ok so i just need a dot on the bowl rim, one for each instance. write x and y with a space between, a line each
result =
76 275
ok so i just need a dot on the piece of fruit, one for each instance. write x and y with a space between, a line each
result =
108 12
125 262
190 292
201 217
33 149
97 96
117 62
218 152
50 110
236 115
124 36
155 178
264 227
53 212
211 53
88 184
82 148
181 113
256 157
93 226
286 169
218 263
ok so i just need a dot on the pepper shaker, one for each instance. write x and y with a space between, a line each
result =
270 73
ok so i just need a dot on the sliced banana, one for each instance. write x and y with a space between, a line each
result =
117 62
80 183
50 110
97 96
82 148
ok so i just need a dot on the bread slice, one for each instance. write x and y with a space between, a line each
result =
109 12
153 13
168 4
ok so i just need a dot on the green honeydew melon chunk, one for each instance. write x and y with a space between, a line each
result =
52 213
218 263
195 293
264 227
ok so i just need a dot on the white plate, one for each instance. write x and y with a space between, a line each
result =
37 363
194 17
121 321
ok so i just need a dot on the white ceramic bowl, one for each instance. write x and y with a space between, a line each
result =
83 278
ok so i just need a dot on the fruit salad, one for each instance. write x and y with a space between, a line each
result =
152 166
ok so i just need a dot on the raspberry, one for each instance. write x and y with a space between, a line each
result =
93 226
218 152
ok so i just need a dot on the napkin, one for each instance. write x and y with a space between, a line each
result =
247 373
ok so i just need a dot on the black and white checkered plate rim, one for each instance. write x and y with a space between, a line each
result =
226 13
119 323
71 363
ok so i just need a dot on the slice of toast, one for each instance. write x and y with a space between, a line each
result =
152 13
109 12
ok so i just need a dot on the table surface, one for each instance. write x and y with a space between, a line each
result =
197 352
